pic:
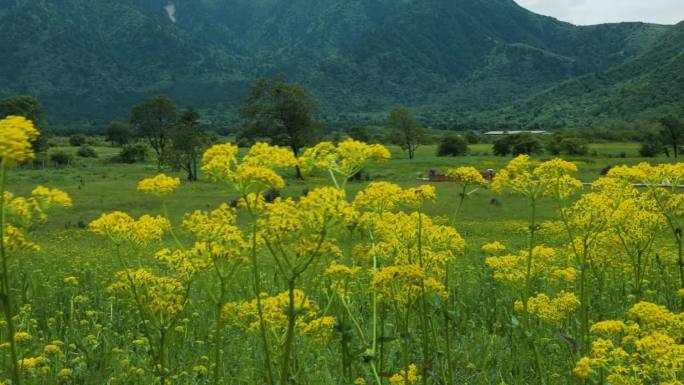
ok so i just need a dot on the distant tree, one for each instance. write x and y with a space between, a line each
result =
30 108
672 132
118 134
574 146
471 137
78 140
360 133
553 143
651 145
518 144
452 145
502 146
405 131
26 106
60 159
525 143
281 112
188 140
153 119
86 151
133 153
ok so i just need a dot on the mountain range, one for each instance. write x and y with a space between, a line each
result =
455 62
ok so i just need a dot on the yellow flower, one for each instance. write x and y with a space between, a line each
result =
416 197
16 134
379 197
552 310
64 373
52 196
583 368
119 226
160 185
22 337
404 377
219 160
493 248
71 281
345 159
264 155
466 176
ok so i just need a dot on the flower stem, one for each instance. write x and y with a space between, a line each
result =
5 297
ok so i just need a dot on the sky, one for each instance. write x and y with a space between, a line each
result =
585 12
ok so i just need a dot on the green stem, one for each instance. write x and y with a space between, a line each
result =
5 295
260 309
528 288
423 313
289 338
173 233
218 334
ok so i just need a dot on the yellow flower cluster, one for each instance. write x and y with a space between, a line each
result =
410 377
645 349
255 173
551 178
346 159
403 284
119 227
550 310
160 185
264 155
275 310
14 239
16 134
546 262
34 208
52 197
493 248
468 176
160 295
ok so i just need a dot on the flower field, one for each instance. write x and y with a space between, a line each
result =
380 283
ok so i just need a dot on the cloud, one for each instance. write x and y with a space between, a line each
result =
609 11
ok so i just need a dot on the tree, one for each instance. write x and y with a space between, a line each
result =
188 140
78 140
153 119
452 145
30 108
525 144
118 134
574 146
518 144
502 146
359 133
672 132
652 145
23 105
281 112
405 131
472 137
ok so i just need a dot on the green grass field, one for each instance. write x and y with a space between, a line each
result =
102 333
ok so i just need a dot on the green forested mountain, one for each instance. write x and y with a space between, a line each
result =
88 61
638 90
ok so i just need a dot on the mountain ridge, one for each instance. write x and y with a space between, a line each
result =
89 61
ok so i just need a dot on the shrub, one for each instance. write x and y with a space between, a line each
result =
574 146
526 144
60 159
502 147
452 145
133 153
650 149
86 151
78 140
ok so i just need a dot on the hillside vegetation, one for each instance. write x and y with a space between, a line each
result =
89 61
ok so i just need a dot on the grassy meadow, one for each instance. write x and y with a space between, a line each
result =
97 335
